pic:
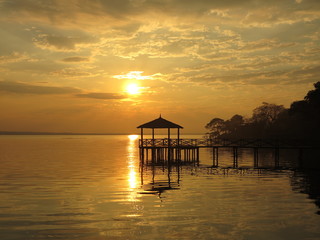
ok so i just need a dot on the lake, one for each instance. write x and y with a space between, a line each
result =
93 187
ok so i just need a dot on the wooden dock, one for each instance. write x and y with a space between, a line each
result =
187 150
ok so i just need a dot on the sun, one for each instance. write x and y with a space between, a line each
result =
133 89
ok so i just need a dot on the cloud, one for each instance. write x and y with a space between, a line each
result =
76 72
137 75
305 74
13 58
62 43
76 59
265 44
206 40
24 88
118 13
98 95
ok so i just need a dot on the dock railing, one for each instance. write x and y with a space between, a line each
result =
242 143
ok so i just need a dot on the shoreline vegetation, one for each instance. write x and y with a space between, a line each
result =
271 121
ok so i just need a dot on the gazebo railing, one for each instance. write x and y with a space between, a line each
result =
165 142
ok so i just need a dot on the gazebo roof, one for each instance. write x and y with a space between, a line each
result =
159 123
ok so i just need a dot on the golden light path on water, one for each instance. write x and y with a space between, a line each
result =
132 173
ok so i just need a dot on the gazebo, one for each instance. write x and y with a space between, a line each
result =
160 123
167 149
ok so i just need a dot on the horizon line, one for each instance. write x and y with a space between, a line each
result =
73 133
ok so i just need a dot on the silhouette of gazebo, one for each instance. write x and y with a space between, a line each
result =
166 149
160 123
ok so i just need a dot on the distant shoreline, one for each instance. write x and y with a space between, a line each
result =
58 133
70 133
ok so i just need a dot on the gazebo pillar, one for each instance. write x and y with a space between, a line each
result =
153 136
141 136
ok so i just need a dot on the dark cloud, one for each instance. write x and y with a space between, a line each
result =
128 16
62 43
23 88
40 7
74 72
75 59
55 10
265 44
101 95
13 57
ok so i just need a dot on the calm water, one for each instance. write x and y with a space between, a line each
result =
90 187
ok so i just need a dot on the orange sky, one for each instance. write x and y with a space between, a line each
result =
109 66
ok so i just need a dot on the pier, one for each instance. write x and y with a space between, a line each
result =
186 151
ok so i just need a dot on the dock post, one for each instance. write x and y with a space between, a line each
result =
198 157
141 170
147 154
235 157
176 153
141 152
255 157
179 154
215 156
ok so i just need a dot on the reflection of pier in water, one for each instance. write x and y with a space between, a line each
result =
157 178
155 185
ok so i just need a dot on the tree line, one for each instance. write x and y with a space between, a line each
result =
300 121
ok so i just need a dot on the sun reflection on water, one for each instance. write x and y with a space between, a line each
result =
132 138
132 179
132 168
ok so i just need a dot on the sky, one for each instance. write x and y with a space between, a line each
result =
105 66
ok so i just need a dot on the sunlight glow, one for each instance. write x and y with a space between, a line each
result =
131 85
137 75
132 168
133 88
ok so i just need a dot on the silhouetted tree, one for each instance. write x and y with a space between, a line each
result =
299 107
267 113
263 120
233 126
234 123
313 97
221 128
216 127
301 120
305 115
